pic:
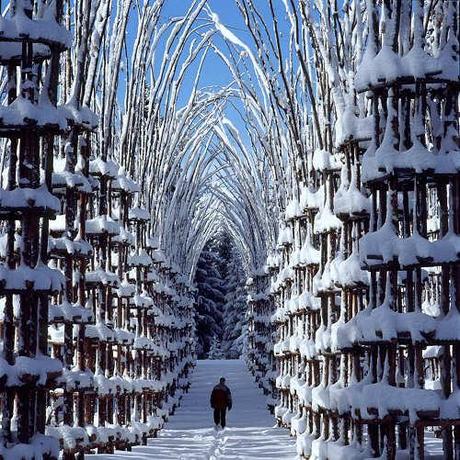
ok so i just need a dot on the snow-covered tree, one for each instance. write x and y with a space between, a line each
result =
215 350
210 300
221 307
234 310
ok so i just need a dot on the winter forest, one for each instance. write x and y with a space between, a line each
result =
193 188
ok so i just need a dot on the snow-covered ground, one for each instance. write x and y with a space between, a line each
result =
190 435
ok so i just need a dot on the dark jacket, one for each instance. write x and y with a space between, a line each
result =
221 397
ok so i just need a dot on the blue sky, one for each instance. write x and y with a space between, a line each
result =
215 73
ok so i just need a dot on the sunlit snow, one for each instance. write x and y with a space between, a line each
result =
190 434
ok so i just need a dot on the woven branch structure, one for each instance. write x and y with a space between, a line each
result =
366 275
97 326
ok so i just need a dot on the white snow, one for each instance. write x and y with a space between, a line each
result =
190 433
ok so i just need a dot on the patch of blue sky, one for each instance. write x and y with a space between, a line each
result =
215 74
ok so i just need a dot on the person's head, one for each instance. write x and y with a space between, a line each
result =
222 380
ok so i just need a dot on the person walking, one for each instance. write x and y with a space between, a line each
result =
221 400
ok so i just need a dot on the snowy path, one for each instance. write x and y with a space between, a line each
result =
190 435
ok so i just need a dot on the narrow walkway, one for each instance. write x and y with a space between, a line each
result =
190 435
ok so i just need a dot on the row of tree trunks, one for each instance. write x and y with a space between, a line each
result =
96 325
367 299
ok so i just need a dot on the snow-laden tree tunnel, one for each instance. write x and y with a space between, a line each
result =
320 138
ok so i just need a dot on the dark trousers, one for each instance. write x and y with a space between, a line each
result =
219 417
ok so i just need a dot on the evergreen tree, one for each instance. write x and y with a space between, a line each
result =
211 298
221 306
234 322
215 351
